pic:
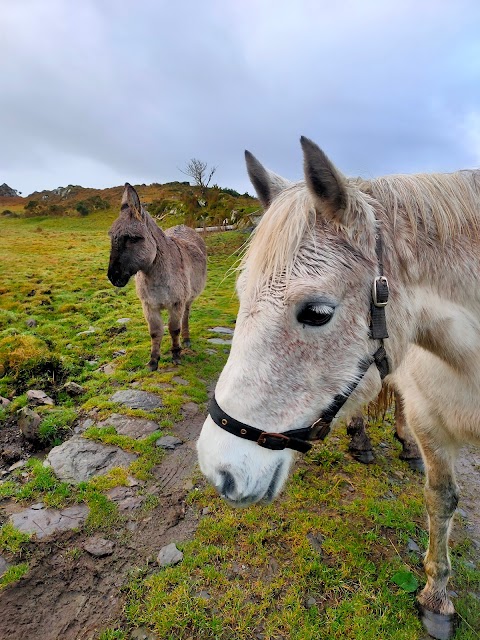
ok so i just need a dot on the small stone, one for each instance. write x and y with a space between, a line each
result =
181 381
137 399
190 409
462 513
48 521
205 511
38 506
4 402
384 445
28 423
211 352
69 346
17 465
452 594
89 331
84 425
133 482
188 485
73 389
413 546
4 565
37 397
310 602
123 320
204 595
92 363
31 323
169 555
98 547
142 633
316 540
224 330
219 341
107 369
168 442
117 354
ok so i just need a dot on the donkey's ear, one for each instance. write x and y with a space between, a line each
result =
131 199
266 183
324 181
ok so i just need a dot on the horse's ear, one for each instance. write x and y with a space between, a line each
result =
131 199
324 181
266 183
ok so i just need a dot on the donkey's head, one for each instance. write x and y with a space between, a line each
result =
302 333
133 246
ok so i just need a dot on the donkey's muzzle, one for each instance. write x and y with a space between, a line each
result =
118 279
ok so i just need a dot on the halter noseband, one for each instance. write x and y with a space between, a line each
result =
298 439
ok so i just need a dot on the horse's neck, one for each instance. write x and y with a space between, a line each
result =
438 297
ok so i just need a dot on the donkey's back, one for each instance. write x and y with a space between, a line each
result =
193 257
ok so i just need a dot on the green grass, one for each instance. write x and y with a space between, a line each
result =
258 566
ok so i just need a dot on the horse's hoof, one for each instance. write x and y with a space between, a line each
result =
152 365
416 464
441 626
365 457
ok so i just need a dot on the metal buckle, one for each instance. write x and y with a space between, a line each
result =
383 282
319 430
275 441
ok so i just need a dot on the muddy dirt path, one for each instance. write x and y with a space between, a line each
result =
71 599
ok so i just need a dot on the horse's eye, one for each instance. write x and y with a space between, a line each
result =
315 314
134 239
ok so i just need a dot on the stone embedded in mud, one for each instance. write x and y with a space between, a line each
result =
123 320
168 442
98 547
169 555
28 423
126 498
4 402
73 389
219 341
224 330
79 459
132 427
179 380
4 565
137 399
46 522
190 409
38 397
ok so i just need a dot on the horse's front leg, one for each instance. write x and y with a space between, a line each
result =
410 451
185 328
441 495
155 326
174 322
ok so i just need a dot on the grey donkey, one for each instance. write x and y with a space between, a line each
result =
170 269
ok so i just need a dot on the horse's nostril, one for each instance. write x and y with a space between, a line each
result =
228 483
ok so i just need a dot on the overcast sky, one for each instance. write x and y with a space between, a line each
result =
97 92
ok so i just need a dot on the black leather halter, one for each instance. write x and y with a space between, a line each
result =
298 439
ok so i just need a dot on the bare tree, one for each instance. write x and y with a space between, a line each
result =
200 172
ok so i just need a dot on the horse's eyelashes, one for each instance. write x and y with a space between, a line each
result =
315 314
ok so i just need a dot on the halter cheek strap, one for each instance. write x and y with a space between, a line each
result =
298 439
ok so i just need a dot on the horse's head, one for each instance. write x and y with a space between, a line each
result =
303 328
133 247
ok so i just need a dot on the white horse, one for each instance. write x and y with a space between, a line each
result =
313 322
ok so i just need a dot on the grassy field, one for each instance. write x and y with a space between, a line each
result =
323 562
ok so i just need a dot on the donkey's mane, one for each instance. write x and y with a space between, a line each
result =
442 205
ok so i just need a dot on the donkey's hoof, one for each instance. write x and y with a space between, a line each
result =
416 464
153 365
441 626
187 343
365 457
176 356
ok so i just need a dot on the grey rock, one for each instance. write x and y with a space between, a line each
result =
84 425
92 362
28 423
37 506
211 352
89 331
120 352
38 397
98 547
132 427
462 513
73 389
224 330
17 465
142 633
46 522
31 323
316 540
205 511
137 399
107 369
79 459
125 498
4 402
168 442
181 381
219 341
123 320
452 594
310 602
4 565
190 409
204 595
413 546
169 555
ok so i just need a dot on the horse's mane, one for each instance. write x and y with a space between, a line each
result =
440 205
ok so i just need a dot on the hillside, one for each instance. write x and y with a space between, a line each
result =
176 202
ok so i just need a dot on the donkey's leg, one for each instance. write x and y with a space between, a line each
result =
155 326
360 446
175 319
410 451
441 495
185 328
